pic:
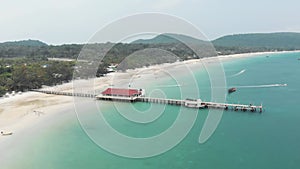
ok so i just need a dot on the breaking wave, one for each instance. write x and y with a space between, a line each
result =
263 86
177 85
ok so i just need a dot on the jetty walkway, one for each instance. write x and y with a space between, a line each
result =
191 103
89 95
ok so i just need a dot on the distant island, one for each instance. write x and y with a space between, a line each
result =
25 65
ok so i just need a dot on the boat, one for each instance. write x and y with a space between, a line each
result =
231 90
6 134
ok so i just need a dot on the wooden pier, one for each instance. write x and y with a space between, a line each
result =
235 107
200 105
161 101
67 93
191 103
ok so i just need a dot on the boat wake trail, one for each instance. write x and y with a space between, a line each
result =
263 86
239 73
177 85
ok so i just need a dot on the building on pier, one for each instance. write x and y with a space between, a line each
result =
121 94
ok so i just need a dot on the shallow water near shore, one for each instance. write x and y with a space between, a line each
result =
242 140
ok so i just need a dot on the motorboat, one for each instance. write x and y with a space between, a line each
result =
6 133
231 90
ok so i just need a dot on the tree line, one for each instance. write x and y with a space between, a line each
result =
25 74
24 67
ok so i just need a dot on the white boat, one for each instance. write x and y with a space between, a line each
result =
6 133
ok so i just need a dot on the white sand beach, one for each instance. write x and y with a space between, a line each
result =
22 111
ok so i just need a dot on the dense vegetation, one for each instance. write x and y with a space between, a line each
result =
280 41
26 74
24 43
169 38
244 43
39 52
25 65
241 43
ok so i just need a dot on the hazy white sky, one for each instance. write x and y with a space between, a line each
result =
75 21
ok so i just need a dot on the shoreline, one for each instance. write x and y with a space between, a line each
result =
21 112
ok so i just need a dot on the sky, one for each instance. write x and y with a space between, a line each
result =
76 21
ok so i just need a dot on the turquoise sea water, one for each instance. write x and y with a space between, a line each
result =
242 140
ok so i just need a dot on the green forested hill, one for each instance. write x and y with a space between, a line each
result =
230 44
24 43
37 50
169 38
280 41
239 43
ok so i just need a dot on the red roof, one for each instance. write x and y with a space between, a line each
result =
121 92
